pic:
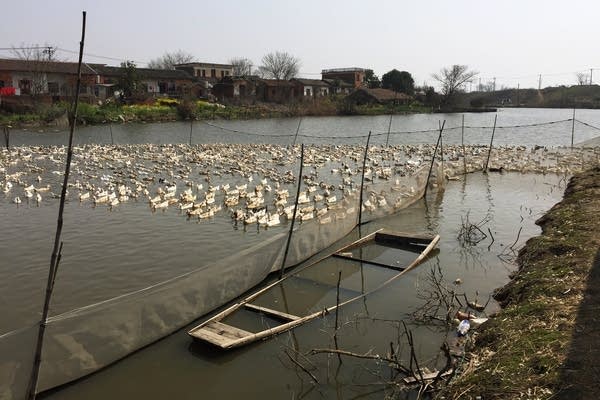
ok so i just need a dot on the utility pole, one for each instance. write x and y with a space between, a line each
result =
591 72
540 82
518 87
494 84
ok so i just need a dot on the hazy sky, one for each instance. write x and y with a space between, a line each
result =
512 40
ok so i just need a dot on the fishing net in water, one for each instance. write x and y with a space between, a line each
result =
85 339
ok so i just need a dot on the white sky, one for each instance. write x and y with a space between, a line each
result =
512 40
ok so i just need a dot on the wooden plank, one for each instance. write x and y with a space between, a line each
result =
227 330
275 313
211 337
219 334
401 237
395 267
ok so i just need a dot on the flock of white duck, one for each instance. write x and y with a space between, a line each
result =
255 184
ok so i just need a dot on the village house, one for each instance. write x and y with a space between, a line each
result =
310 88
207 71
364 96
56 80
235 88
173 83
353 75
339 87
275 91
50 78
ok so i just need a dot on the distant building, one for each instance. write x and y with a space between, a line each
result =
337 86
235 88
378 96
275 91
310 88
57 80
354 76
208 71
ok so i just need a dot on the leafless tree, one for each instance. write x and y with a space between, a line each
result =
169 60
37 57
279 65
582 78
452 79
241 66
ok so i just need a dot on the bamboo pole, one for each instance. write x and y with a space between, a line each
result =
289 239
191 130
362 180
491 143
433 157
111 134
56 252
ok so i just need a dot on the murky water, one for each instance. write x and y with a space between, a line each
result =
178 367
109 253
548 127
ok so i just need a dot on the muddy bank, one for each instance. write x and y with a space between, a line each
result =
543 343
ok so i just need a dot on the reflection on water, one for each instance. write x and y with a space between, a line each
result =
176 367
527 127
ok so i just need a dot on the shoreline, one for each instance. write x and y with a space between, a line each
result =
544 340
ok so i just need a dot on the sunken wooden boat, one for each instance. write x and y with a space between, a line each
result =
225 332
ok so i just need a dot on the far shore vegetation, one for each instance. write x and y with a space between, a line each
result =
170 109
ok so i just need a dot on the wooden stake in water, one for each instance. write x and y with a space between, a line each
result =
111 134
191 130
387 140
573 130
297 130
289 239
491 142
362 180
56 252
462 141
6 136
433 157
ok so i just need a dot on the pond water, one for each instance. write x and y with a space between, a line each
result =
110 252
528 127
175 366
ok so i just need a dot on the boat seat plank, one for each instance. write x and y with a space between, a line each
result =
392 237
274 313
378 264
219 334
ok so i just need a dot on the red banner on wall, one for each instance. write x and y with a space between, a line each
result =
7 91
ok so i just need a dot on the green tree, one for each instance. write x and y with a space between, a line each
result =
372 80
129 82
398 81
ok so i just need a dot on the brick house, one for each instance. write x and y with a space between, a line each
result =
235 88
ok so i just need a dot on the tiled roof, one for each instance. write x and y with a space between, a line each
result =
8 64
311 82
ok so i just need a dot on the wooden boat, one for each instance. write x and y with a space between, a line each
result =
226 336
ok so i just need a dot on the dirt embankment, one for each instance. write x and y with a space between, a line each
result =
545 343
